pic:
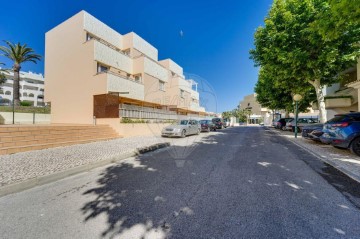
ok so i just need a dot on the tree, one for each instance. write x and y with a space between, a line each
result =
291 46
18 54
2 75
274 96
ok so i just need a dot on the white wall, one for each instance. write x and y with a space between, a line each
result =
24 118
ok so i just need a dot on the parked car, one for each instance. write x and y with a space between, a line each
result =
313 131
218 123
301 123
343 131
181 128
207 125
281 123
226 123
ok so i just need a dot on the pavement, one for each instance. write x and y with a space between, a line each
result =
241 182
342 159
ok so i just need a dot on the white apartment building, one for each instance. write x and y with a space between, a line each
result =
31 88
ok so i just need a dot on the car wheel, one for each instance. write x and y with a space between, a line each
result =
283 128
183 134
198 132
355 146
208 130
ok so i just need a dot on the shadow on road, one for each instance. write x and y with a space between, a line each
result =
145 196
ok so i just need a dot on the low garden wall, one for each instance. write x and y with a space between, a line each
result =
133 129
24 118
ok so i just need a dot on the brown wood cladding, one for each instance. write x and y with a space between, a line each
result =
106 106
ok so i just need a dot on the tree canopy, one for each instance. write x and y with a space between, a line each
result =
293 49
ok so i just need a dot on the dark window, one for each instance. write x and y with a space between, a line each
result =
102 68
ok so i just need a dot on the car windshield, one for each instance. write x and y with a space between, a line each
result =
183 122
204 121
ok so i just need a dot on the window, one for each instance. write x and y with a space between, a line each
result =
1 91
161 85
127 52
31 95
88 37
137 78
7 93
25 94
182 94
102 68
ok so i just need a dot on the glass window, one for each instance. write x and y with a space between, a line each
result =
88 37
102 68
182 93
184 122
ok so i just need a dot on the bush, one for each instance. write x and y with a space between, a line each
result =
25 103
26 109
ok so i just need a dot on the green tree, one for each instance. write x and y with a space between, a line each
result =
291 47
18 54
2 75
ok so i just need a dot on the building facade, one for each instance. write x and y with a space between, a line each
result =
257 113
85 58
31 88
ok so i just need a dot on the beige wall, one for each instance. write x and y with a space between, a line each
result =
69 73
130 130
251 99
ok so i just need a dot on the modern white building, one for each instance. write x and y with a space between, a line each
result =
31 88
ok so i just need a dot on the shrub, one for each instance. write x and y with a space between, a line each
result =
26 103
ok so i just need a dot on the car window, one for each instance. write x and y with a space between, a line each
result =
183 122
302 120
338 118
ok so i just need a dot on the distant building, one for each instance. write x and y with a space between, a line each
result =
31 88
257 113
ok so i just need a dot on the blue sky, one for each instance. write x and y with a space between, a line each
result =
217 35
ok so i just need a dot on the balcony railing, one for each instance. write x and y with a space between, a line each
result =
138 112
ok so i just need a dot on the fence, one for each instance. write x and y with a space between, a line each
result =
138 112
24 118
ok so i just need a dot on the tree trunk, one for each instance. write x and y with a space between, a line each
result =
320 100
16 85
287 114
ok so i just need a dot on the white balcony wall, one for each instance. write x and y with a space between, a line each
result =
184 85
156 70
132 40
111 57
101 30
175 68
194 94
172 66
119 84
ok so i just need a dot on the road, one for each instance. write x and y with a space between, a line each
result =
242 182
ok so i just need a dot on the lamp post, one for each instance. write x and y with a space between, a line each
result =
13 108
296 98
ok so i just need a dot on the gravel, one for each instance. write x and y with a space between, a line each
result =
19 167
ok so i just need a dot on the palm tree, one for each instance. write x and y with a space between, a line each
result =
2 76
18 54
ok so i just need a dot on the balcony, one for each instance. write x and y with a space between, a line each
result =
111 57
331 103
342 98
194 94
117 83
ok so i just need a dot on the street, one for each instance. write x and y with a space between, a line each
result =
241 182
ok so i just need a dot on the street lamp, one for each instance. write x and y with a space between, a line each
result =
296 98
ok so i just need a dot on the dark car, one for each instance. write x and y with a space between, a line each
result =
207 125
313 131
219 124
343 131
281 123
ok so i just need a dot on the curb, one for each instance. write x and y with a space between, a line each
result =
22 186
325 160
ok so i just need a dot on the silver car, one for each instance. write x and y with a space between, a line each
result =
181 128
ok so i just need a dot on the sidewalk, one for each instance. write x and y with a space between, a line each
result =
341 159
27 169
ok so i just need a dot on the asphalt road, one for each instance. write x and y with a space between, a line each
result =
243 182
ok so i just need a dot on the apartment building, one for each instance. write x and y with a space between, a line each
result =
84 59
257 113
31 88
